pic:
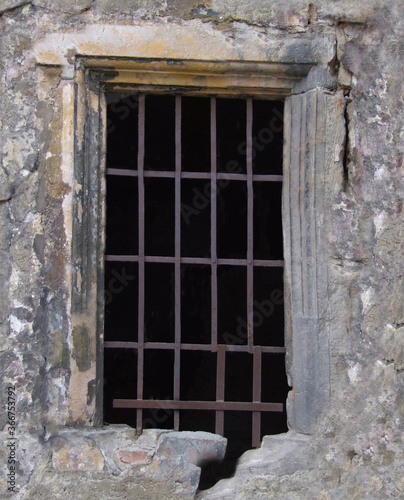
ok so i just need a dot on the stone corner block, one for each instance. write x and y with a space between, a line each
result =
279 454
196 448
149 438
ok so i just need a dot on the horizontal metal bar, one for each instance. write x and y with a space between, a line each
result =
161 260
197 405
255 178
267 178
160 173
268 263
120 345
123 172
121 258
194 260
192 347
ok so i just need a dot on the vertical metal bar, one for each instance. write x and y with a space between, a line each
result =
256 415
177 264
213 208
220 383
141 262
250 206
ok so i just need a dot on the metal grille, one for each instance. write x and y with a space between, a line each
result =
250 264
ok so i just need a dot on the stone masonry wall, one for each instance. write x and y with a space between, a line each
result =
358 449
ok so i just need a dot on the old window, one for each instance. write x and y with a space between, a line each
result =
290 68
194 313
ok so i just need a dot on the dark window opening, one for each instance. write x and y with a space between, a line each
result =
194 313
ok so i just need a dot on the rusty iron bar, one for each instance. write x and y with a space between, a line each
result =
250 223
220 384
122 172
171 404
177 261
213 214
141 259
256 416
195 260
192 347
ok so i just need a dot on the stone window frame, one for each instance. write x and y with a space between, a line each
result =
313 142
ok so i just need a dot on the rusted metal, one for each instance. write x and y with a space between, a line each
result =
220 383
198 405
256 416
213 210
177 261
250 224
192 347
141 261
122 172
194 260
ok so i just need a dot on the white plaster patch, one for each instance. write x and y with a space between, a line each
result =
381 87
16 304
16 325
28 218
380 173
379 222
353 373
366 298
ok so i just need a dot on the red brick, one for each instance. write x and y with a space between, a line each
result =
134 457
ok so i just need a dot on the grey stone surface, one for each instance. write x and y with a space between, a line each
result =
197 448
115 463
11 4
71 7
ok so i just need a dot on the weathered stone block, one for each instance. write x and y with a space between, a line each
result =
399 349
123 6
61 6
197 448
5 188
77 455
10 4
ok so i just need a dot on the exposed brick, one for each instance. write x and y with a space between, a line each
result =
134 457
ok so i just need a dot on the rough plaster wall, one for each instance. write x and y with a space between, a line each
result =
358 451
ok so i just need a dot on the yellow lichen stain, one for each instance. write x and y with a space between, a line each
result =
49 56
78 388
83 455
